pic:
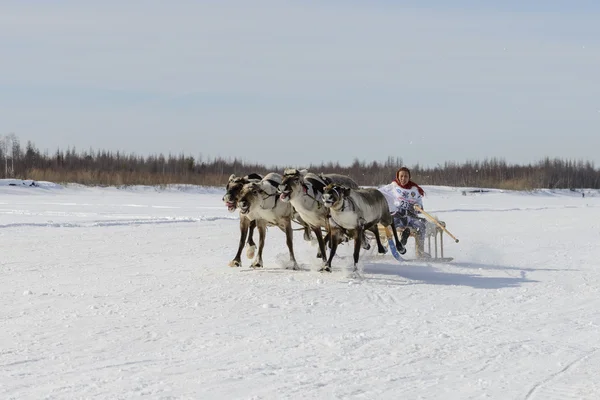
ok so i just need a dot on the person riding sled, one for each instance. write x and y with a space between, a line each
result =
402 195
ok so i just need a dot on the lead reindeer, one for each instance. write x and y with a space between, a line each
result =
356 210
231 197
304 191
259 202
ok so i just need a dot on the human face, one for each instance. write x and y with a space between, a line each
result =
403 177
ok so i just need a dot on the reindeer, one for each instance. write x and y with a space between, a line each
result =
303 190
259 202
356 210
231 197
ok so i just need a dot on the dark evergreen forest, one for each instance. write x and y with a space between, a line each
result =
106 168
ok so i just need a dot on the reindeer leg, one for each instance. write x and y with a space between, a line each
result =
307 229
364 242
399 244
380 248
321 253
251 244
237 260
327 240
358 234
307 233
333 241
289 236
262 233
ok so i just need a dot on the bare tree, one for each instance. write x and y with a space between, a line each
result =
10 147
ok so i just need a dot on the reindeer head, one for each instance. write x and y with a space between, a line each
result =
249 195
292 179
333 194
234 188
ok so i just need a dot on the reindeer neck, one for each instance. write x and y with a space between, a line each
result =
310 191
347 204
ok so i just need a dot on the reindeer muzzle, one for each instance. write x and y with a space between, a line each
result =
230 206
328 200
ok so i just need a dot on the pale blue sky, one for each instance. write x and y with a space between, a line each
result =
298 82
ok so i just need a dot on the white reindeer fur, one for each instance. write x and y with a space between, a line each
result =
258 202
308 205
266 206
358 211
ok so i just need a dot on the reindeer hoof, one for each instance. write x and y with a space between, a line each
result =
325 269
235 263
250 252
256 265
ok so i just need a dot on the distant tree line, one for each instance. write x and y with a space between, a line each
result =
108 168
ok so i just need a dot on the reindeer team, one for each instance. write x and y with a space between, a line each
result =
330 202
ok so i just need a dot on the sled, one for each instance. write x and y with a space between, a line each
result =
434 242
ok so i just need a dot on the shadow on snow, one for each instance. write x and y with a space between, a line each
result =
429 275
470 265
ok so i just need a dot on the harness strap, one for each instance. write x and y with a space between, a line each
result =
273 183
270 195
352 203
253 177
325 179
317 184
305 190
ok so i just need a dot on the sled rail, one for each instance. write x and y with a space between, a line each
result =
434 238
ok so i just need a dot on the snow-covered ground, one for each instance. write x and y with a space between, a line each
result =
124 293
